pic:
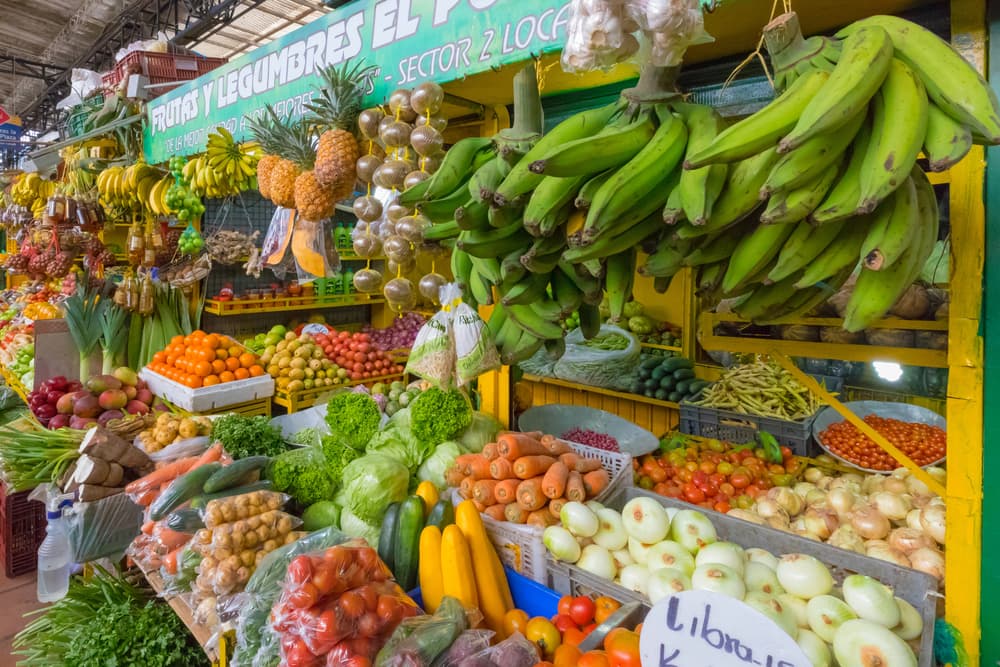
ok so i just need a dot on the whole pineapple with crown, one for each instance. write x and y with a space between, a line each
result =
335 112
287 147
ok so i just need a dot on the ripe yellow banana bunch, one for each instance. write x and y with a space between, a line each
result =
30 189
226 168
154 200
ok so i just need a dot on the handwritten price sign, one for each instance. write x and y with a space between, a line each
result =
704 629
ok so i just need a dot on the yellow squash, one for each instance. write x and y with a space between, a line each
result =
459 578
429 569
491 582
429 494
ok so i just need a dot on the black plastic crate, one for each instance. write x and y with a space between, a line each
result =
738 428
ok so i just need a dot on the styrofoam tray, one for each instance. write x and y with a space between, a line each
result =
208 398
557 419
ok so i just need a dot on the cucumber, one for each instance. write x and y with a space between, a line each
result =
181 490
667 382
682 387
658 373
637 387
443 513
387 536
199 502
652 384
683 374
235 473
406 544
676 363
696 386
185 520
675 397
649 364
649 393
661 394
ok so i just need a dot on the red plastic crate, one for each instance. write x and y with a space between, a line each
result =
161 68
23 524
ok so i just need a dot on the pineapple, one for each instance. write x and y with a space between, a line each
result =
265 165
291 145
335 111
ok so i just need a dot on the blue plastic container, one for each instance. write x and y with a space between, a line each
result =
532 597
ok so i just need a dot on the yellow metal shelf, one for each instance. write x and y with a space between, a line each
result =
600 390
668 348
254 306
293 401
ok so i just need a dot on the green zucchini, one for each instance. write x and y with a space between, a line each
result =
675 396
661 394
682 387
406 544
667 382
181 490
185 520
676 363
386 538
658 373
652 384
199 502
650 364
683 374
696 386
442 514
235 473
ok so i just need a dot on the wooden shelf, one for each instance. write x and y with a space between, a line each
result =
255 306
668 348
604 392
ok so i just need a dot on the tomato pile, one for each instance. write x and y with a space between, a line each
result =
715 476
357 355
923 443
557 638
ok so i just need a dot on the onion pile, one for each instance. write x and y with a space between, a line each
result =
894 518
657 552
399 335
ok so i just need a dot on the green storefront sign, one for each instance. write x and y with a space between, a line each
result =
409 41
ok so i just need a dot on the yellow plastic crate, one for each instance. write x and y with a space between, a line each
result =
293 401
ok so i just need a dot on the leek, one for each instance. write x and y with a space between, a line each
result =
84 313
113 337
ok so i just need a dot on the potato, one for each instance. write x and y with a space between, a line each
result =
247 557
270 545
188 428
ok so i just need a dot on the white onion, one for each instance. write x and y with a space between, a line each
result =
892 506
561 544
598 561
871 600
911 624
594 506
916 487
845 537
821 522
718 579
938 474
816 498
797 607
802 489
786 499
762 556
908 539
622 558
692 530
920 501
815 648
611 534
779 523
826 613
872 484
759 577
913 520
928 560
665 582
804 576
813 475
869 523
861 643
723 553
848 482
932 520
883 551
645 520
638 550
746 515
895 485
578 519
769 508
634 577
670 554
840 501
768 605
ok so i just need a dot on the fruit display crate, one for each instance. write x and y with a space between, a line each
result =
23 528
282 304
160 68
220 397
520 546
915 587
300 399
740 428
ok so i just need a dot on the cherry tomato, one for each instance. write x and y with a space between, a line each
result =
324 579
516 620
304 596
563 622
582 610
369 625
565 602
693 494
299 655
604 607
300 569
327 630
351 605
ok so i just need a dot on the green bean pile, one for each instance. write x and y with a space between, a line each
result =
761 388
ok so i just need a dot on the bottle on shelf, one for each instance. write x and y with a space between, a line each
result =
349 287
54 554
342 237
335 285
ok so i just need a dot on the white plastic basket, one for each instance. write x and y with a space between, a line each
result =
520 547
208 398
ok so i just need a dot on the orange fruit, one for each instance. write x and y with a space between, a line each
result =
189 340
235 351
177 340
192 381
256 371
232 363
226 376
211 341
221 353
241 373
218 365
203 369
247 359
159 358
210 380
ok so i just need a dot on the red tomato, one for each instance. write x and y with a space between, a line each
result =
299 655
622 647
722 506
563 622
693 494
573 636
326 631
304 596
324 579
590 628
300 569
582 610
370 596
351 605
370 625
389 610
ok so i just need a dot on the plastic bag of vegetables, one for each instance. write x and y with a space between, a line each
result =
418 641
600 364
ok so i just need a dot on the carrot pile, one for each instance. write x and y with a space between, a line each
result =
526 478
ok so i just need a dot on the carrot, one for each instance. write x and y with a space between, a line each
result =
166 474
529 494
462 462
555 445
169 538
479 506
501 469
556 505
540 518
596 481
146 499
495 512
483 491
506 491
554 481
490 451
147 528
454 476
574 487
513 446
527 467
210 455
170 561
465 487
534 434
578 463
479 467
514 513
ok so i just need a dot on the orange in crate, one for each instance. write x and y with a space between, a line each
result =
204 360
